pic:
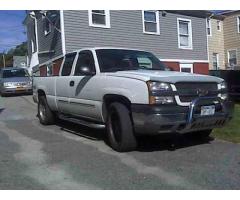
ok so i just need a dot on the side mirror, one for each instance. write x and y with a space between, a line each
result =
85 71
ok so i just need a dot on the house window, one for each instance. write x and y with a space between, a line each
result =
215 60
209 30
150 22
232 58
184 34
186 67
219 25
99 18
47 26
238 23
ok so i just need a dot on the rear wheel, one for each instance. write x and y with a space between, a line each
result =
120 128
45 115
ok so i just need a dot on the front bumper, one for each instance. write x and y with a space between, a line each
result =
157 119
16 90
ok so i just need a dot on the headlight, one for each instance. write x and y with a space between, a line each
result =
159 93
158 86
223 96
223 89
8 84
222 85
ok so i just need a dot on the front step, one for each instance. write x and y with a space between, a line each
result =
82 122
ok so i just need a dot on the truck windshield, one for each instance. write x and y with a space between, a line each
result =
10 73
111 60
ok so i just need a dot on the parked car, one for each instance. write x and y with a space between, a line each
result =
130 93
15 81
232 78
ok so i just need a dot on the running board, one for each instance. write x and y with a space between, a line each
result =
82 122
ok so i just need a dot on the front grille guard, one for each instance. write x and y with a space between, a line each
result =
196 102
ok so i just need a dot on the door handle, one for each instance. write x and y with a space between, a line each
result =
71 83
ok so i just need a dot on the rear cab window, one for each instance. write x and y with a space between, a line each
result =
85 59
68 64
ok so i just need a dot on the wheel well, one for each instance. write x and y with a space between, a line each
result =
110 98
41 93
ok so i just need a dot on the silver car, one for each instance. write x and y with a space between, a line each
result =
14 81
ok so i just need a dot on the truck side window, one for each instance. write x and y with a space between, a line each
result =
67 66
85 62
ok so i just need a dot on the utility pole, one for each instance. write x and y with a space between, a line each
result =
4 60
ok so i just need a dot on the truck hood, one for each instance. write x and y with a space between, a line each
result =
165 76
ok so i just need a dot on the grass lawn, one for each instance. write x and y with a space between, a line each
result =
231 132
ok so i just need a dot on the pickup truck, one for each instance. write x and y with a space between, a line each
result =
130 92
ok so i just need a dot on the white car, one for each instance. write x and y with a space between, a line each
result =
130 93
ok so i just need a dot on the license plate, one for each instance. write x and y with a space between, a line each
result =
20 88
207 110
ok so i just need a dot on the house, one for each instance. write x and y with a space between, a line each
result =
178 38
224 40
231 28
215 35
20 61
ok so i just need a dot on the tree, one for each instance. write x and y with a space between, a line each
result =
19 50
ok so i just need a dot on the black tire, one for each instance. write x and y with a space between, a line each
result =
120 128
45 115
201 134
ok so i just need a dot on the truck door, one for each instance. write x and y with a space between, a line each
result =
82 101
63 83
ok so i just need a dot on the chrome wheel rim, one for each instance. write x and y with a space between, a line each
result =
42 111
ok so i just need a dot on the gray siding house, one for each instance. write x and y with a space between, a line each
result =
178 38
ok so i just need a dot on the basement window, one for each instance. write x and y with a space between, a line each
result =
99 18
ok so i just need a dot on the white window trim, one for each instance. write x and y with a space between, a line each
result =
229 55
191 68
210 26
157 23
107 15
218 66
50 27
220 25
190 47
238 23
32 46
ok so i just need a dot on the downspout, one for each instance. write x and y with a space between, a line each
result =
62 33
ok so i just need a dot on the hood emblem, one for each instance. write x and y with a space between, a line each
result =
202 92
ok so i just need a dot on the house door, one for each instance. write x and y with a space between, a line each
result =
186 67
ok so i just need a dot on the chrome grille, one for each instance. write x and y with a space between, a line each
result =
188 91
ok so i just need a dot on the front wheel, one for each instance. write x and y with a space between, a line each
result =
45 115
120 128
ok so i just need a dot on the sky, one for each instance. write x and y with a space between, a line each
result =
11 29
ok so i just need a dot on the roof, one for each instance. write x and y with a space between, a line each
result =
228 12
194 13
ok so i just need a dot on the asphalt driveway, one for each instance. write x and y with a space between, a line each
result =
69 156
